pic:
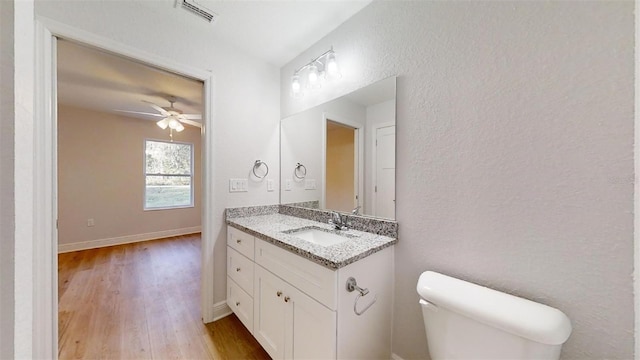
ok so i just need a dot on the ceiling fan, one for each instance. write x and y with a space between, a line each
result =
172 117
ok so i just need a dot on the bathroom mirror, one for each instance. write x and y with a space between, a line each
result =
340 155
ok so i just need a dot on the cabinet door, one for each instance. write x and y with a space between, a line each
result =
269 312
312 333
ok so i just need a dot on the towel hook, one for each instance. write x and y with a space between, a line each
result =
256 165
353 285
300 168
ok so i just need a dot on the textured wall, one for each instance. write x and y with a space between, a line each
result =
246 112
100 176
515 153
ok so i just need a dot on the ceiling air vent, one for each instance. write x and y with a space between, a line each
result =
199 10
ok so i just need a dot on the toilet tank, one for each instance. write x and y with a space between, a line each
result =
468 321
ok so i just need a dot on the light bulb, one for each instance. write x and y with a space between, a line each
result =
332 67
173 123
313 75
163 123
295 84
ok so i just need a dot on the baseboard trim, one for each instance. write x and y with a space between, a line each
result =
93 244
220 310
395 357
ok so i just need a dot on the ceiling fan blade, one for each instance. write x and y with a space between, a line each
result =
190 122
192 116
138 113
158 108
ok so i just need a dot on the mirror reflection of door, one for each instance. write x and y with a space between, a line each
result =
385 170
341 167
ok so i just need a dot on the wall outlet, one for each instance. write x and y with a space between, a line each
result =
309 184
90 222
269 184
238 185
287 185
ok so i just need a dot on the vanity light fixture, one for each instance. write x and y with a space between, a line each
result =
324 67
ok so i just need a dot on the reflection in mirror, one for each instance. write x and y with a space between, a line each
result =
341 155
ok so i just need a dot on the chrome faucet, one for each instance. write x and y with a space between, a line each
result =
338 221
355 210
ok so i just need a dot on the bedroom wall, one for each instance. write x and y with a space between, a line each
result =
100 177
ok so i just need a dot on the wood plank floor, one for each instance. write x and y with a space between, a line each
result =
142 301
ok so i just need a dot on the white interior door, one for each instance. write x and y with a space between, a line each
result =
385 187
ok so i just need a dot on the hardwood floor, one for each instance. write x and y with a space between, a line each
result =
142 301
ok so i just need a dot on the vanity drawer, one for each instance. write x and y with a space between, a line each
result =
240 269
241 303
240 241
313 279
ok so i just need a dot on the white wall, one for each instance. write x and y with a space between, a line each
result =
380 113
7 228
16 180
246 112
515 153
100 176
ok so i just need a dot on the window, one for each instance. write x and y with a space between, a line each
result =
168 175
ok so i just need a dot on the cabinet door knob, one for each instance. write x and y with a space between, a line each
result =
279 293
237 303
237 269
238 241
286 299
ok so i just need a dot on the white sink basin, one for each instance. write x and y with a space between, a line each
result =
318 236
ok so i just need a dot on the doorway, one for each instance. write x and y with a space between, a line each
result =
342 167
342 163
109 112
45 160
384 198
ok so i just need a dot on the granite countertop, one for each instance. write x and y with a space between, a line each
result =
270 228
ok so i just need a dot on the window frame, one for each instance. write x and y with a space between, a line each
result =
144 173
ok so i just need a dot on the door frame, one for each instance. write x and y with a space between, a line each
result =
374 161
360 155
45 294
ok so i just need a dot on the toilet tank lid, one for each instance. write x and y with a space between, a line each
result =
522 317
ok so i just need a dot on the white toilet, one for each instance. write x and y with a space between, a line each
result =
468 321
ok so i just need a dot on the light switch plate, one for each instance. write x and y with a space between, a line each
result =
310 184
238 185
269 184
287 185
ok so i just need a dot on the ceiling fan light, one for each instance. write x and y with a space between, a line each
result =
173 123
163 123
180 127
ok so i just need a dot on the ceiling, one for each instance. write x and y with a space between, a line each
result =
274 31
92 79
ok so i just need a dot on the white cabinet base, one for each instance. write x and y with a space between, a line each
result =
301 310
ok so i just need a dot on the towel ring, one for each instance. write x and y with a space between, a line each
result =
300 167
256 165
352 285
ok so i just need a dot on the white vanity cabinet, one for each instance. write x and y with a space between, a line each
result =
302 310
288 323
240 275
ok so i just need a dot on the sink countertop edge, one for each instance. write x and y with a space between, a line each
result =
308 254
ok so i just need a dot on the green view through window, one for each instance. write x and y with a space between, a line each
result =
168 175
